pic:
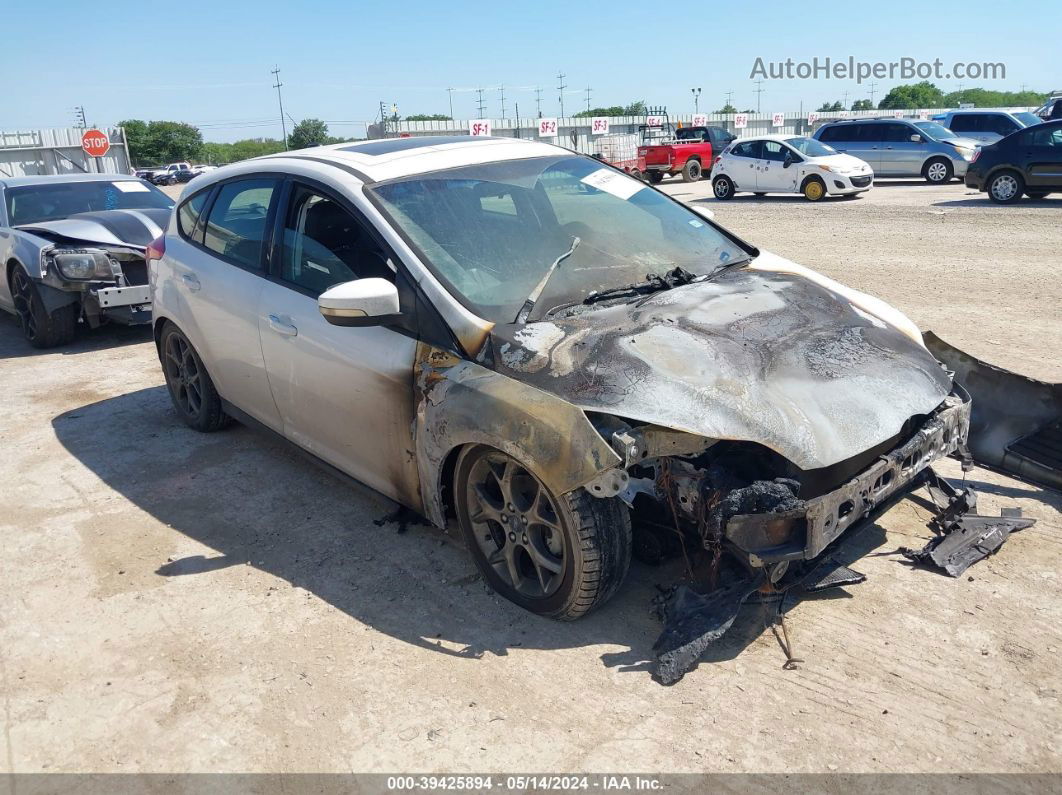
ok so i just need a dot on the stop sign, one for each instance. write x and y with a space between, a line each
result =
95 143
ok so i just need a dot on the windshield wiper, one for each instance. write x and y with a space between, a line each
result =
529 304
653 283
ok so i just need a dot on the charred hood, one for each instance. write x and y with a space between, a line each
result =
106 227
757 355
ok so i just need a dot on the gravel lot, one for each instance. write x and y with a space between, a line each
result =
179 602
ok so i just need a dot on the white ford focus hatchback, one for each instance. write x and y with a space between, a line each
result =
569 362
788 164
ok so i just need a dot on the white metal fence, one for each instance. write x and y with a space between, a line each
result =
575 133
58 151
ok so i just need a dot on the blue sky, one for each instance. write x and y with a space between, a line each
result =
338 60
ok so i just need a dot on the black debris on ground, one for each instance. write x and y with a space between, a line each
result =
403 517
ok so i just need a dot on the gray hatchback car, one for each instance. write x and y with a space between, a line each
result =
902 147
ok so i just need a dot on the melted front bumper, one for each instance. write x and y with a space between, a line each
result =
803 534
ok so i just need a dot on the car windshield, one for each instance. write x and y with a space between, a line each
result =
1028 119
30 204
934 130
810 147
492 230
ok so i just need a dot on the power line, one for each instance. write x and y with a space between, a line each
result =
538 101
588 99
275 71
758 90
561 85
479 101
501 96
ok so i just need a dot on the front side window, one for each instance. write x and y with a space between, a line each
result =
773 150
935 131
1046 136
492 261
324 245
896 133
236 228
31 204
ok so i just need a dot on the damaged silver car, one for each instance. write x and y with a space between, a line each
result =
73 250
568 361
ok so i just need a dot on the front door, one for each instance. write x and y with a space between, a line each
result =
773 175
344 394
1040 148
899 155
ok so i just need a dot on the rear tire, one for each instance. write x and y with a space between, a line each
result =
559 557
691 172
938 171
723 187
194 397
1006 187
41 328
636 174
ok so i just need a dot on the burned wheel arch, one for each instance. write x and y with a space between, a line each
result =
461 402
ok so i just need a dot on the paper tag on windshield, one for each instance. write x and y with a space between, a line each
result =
131 187
619 185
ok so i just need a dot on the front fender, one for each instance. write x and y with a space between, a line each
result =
460 402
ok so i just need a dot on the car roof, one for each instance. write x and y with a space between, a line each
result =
59 179
875 120
966 111
391 158
781 137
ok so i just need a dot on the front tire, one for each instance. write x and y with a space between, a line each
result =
814 189
41 328
194 397
1006 187
559 557
938 171
691 172
723 187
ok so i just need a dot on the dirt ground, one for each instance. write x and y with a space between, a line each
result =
171 601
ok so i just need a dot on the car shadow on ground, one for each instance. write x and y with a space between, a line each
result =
981 200
13 345
258 502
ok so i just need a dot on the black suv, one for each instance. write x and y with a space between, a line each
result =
1028 161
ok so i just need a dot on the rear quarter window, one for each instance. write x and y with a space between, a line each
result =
188 214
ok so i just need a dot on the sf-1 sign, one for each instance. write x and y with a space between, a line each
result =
95 143
481 127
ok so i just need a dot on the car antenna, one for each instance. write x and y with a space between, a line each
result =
529 304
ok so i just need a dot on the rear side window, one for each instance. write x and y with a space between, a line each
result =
746 149
236 228
1000 124
843 132
967 122
189 212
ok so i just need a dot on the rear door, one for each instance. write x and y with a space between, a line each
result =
744 163
218 263
344 394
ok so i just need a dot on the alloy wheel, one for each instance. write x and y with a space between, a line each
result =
22 295
1004 187
183 375
516 525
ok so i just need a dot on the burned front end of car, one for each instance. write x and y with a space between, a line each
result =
690 493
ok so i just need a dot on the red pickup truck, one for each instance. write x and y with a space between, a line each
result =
689 153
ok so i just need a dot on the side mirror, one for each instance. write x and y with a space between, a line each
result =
703 211
916 138
362 302
788 161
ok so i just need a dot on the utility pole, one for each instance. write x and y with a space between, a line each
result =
730 97
275 71
961 85
501 93
696 99
588 99
759 90
79 116
843 101
383 118
538 101
561 85
872 86
450 93
479 101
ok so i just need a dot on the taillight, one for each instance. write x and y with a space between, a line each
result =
718 158
156 248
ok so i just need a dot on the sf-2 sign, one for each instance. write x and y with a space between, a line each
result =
95 143
481 127
547 128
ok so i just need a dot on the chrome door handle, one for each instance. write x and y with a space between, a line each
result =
280 327
191 282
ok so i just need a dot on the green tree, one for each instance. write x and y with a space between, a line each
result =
136 136
612 110
635 108
915 95
831 107
428 117
727 108
984 98
170 141
308 132
862 104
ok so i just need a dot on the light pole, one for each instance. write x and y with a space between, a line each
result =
696 99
